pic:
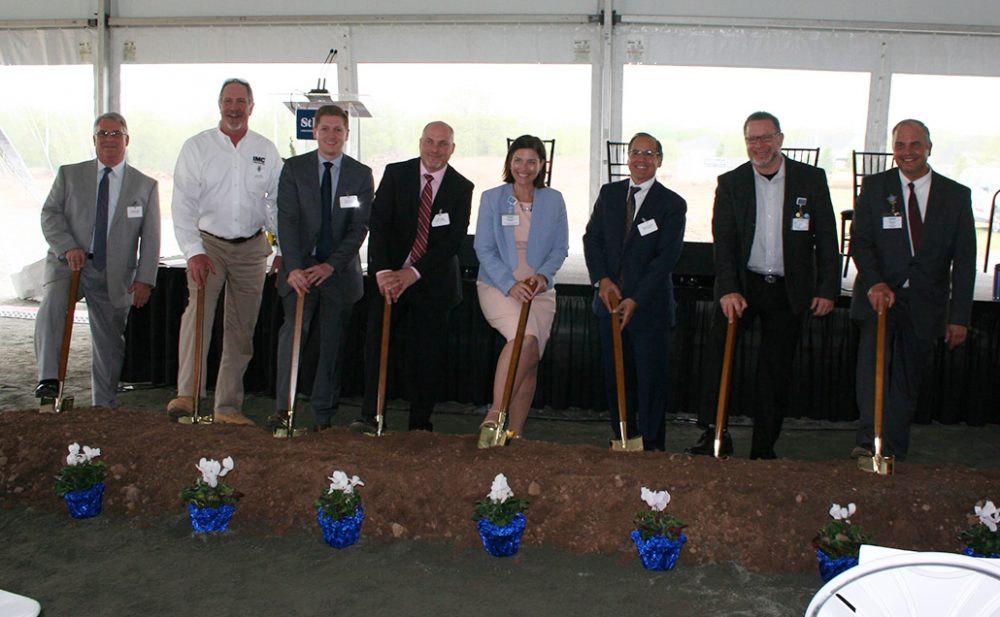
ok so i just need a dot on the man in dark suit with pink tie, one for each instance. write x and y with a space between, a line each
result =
914 243
418 222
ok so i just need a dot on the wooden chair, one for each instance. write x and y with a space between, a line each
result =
550 153
809 156
617 160
865 164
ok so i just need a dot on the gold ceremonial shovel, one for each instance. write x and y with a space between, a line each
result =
727 371
199 337
882 465
624 444
491 435
289 430
62 402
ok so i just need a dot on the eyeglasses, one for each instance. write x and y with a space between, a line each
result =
115 133
761 139
636 153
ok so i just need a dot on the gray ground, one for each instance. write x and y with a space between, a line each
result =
114 566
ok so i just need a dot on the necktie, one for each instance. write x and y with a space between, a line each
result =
101 223
324 244
423 221
916 223
630 210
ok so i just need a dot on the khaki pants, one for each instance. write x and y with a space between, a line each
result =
240 268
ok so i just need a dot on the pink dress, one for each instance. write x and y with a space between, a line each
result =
502 311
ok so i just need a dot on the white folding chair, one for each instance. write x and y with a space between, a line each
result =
13 605
907 584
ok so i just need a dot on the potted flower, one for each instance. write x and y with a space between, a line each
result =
339 511
211 503
658 536
500 519
81 481
983 539
838 542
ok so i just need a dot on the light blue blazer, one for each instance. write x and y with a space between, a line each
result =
548 240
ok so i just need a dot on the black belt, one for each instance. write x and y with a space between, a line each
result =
770 279
232 240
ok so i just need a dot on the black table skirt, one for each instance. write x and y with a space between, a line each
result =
958 386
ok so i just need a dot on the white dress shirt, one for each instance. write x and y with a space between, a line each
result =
228 191
767 254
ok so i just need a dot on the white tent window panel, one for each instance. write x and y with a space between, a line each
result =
49 46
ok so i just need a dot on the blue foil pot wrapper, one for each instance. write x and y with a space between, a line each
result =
829 568
210 520
971 553
343 532
658 552
502 541
86 503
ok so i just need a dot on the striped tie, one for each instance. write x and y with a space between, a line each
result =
423 221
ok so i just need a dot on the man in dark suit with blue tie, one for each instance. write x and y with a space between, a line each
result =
632 243
324 200
775 249
914 244
419 220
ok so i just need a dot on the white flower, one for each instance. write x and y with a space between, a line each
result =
988 515
657 500
76 457
340 482
211 470
500 491
842 514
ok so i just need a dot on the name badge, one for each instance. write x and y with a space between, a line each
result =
349 201
440 220
134 212
800 224
510 220
892 222
647 227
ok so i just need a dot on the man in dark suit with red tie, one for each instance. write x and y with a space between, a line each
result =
632 243
419 220
914 244
775 249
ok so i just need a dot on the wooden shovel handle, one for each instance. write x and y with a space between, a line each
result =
616 343
74 289
199 341
879 381
515 352
383 358
727 371
293 377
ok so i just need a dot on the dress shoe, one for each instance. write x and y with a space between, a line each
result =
862 451
367 426
233 417
180 407
47 388
706 444
319 428
278 420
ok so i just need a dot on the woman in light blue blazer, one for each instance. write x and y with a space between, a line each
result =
522 239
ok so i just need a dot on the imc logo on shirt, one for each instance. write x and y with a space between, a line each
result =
259 160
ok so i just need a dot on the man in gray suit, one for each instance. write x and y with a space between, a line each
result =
324 199
914 243
98 216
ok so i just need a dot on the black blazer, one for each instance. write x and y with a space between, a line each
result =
648 260
943 272
393 226
811 258
299 216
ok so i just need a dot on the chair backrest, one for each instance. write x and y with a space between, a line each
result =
809 156
868 163
617 160
550 153
912 585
